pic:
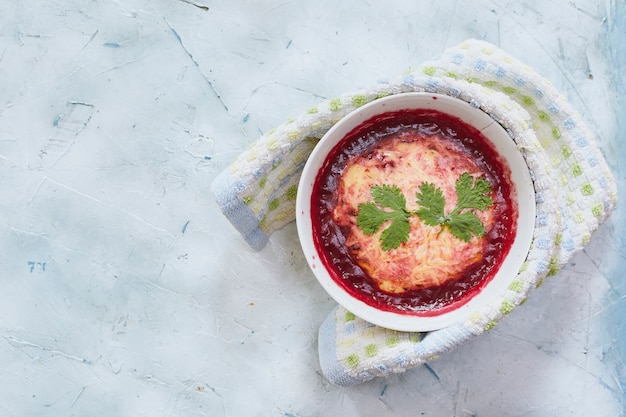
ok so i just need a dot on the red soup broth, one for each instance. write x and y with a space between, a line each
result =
330 238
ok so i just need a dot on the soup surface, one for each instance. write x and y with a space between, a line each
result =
433 270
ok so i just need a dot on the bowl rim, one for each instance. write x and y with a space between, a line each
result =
520 179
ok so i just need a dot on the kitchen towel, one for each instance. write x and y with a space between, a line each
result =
575 193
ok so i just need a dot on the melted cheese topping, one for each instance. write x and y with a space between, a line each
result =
429 258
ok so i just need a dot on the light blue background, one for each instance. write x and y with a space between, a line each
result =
126 292
616 300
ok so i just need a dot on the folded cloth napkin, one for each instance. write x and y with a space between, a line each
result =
575 193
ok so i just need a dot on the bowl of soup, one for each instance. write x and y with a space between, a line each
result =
415 210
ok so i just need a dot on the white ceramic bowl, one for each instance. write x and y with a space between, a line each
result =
520 180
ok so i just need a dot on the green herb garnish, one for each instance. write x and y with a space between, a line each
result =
390 205
371 217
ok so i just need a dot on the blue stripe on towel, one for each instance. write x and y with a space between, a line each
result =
237 212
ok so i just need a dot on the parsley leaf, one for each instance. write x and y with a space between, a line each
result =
397 233
387 196
390 206
470 195
371 217
463 225
432 203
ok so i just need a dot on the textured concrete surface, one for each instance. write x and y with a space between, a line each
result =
126 292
